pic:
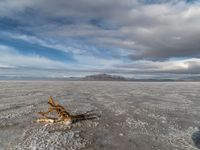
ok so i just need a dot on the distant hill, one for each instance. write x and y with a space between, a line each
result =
107 77
104 77
195 78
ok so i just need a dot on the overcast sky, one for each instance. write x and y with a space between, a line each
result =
135 38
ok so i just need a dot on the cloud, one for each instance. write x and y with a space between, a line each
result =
129 36
44 43
155 31
185 66
11 58
37 66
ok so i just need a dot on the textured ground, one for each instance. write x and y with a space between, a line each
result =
134 116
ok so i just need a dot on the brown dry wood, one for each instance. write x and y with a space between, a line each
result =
63 115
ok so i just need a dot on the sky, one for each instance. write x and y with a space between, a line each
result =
133 38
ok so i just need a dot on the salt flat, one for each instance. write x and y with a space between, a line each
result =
134 115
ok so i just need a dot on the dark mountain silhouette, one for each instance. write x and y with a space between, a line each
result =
104 77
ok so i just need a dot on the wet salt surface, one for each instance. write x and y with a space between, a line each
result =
134 115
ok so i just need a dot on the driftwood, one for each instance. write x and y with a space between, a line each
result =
63 115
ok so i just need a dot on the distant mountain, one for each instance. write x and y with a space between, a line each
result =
104 77
194 78
107 77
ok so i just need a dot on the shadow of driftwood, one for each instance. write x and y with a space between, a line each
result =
196 138
89 115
